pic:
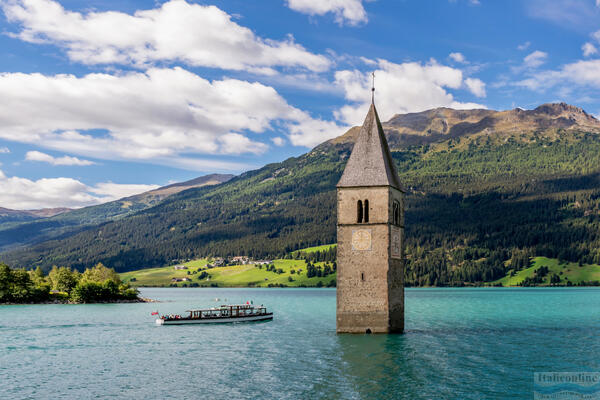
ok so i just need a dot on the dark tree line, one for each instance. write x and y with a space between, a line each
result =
315 270
329 255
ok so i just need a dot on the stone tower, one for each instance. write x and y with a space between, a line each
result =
370 236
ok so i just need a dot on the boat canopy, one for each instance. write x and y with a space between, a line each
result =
227 307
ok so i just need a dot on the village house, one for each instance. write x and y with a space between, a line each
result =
261 262
180 280
218 261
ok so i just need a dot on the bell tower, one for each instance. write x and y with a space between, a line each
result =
370 236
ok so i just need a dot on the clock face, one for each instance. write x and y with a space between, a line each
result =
361 239
396 242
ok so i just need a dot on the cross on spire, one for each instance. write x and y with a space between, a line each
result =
373 88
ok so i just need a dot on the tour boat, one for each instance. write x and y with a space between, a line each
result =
222 314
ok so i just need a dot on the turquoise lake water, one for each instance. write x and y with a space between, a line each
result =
459 344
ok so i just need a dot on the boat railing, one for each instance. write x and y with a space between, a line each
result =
241 310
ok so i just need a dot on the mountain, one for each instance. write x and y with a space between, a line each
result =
439 125
486 190
48 212
161 193
18 228
8 215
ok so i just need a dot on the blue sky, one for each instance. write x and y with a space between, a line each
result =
109 98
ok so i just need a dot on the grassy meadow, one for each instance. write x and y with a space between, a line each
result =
161 276
314 249
567 271
230 276
281 275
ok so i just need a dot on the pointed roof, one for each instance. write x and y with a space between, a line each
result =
370 163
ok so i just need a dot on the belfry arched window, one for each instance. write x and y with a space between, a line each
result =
359 212
366 213
396 213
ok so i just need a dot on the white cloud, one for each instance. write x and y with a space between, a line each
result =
400 88
176 31
139 115
313 82
109 191
4 150
351 12
25 194
310 132
596 35
201 164
47 158
458 57
367 61
531 62
589 49
472 2
278 141
582 73
535 59
578 15
524 46
476 86
234 143
151 117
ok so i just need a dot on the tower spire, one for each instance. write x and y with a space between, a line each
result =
373 88
370 163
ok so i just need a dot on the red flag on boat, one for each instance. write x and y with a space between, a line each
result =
154 313
247 302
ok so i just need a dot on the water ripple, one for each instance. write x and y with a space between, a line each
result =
459 343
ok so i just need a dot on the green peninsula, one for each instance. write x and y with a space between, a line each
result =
64 285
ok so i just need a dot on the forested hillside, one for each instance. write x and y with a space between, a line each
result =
486 190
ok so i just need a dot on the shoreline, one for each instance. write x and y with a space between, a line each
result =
148 300
406 287
123 301
333 287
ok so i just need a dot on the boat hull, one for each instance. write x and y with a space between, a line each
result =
185 321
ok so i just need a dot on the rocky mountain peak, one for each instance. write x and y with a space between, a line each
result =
556 109
441 124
